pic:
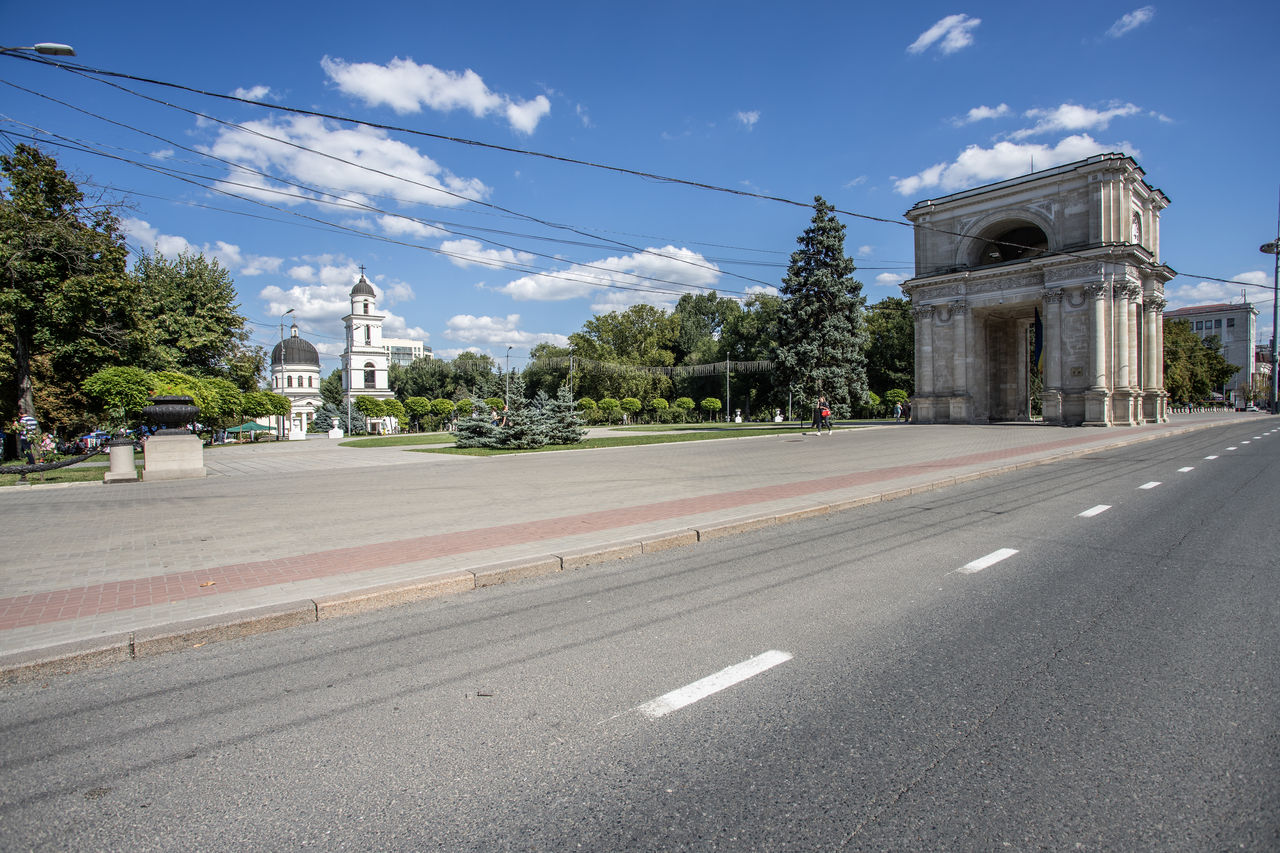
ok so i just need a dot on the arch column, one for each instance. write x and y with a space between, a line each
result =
1122 379
922 402
1097 398
960 393
1155 405
1051 391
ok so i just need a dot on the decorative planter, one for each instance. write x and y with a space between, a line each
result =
170 414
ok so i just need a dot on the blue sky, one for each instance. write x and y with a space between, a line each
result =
872 106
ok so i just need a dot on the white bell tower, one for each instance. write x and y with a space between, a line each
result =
364 363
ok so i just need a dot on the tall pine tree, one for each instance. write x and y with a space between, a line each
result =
822 331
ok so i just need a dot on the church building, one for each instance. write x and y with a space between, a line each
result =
295 373
364 362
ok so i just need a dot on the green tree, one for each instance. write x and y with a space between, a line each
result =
395 409
630 406
423 377
891 345
192 321
443 410
120 392
1193 368
475 375
822 336
370 407
610 407
67 304
546 371
711 405
331 388
566 424
683 405
661 409
418 408
262 404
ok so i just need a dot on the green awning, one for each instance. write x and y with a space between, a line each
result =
251 426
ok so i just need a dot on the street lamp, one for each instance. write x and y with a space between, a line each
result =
280 376
507 400
47 48
1273 248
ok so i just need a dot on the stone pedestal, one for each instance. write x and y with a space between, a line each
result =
336 432
122 468
297 435
173 457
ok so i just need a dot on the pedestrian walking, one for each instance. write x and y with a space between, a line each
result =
897 412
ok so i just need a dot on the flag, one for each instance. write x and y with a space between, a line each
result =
1039 344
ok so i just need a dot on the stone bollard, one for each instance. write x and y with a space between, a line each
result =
122 468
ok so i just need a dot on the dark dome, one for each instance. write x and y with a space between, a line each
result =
296 351
363 288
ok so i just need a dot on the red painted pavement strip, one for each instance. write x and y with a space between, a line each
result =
74 603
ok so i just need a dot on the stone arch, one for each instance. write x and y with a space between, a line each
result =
1007 235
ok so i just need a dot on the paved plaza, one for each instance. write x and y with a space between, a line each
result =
289 533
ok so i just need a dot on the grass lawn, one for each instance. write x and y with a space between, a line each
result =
667 436
70 474
400 440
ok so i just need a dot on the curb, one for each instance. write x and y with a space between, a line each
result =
83 655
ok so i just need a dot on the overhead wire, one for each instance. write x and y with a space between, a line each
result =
97 73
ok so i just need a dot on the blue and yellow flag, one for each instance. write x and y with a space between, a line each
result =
1039 344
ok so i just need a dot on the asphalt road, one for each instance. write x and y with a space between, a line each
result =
1078 655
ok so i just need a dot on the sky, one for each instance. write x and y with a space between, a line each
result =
502 170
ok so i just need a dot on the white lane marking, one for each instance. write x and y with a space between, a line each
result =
1246 442
704 687
1150 485
1233 448
1185 470
987 561
1096 510
1211 457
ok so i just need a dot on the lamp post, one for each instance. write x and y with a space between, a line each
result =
46 48
1273 248
280 376
507 399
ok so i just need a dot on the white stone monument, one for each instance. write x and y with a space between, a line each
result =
1045 289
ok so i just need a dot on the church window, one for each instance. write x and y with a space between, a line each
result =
366 308
368 336
370 375
310 379
290 381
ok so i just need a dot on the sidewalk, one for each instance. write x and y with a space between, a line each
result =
290 533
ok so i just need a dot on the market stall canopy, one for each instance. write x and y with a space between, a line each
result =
251 426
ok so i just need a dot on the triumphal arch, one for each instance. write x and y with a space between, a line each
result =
1041 297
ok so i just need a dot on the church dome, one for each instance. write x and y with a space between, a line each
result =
363 288
296 351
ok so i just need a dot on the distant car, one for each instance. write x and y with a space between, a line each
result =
1252 408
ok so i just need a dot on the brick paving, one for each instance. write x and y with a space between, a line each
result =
276 523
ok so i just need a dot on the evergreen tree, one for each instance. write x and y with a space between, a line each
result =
527 426
566 422
822 333
476 430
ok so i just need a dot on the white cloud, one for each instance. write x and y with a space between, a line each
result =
954 32
583 116
1072 118
1210 292
977 165
890 279
863 251
228 254
254 93
407 87
615 283
503 331
295 148
856 182
400 226
1131 21
748 119
981 113
469 253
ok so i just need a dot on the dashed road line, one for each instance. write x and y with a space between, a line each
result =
1095 510
1186 469
987 561
1150 485
704 687
1211 457
1233 448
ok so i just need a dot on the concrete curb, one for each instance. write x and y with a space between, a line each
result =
83 655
